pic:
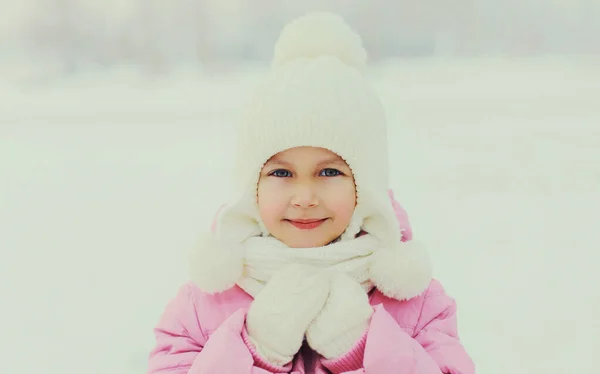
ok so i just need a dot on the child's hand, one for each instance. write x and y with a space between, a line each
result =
343 320
282 311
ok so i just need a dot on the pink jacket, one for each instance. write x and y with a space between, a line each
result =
201 333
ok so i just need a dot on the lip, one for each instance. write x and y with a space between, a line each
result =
306 224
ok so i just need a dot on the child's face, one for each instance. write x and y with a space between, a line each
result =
306 196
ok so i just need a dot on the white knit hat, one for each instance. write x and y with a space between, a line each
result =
316 95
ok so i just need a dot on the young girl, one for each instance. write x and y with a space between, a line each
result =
308 270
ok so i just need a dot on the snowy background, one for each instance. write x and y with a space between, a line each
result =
109 171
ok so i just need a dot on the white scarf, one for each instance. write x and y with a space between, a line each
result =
263 256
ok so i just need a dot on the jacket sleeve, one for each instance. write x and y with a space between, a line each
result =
402 218
387 348
183 348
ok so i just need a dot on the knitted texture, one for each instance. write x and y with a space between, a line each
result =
280 314
343 320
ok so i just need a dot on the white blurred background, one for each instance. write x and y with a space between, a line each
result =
74 35
116 119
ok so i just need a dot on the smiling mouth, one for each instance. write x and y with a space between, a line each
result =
306 224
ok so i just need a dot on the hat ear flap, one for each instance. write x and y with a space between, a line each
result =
239 220
400 269
375 216
218 261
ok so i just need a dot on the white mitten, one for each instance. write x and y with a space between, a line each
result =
343 320
282 311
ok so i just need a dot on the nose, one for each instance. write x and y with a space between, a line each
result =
304 196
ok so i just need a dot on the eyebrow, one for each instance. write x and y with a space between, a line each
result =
328 161
335 161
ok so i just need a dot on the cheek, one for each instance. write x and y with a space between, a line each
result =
342 201
271 202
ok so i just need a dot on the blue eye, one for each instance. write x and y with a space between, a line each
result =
330 173
281 173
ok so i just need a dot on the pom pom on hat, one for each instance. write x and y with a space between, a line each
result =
320 34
